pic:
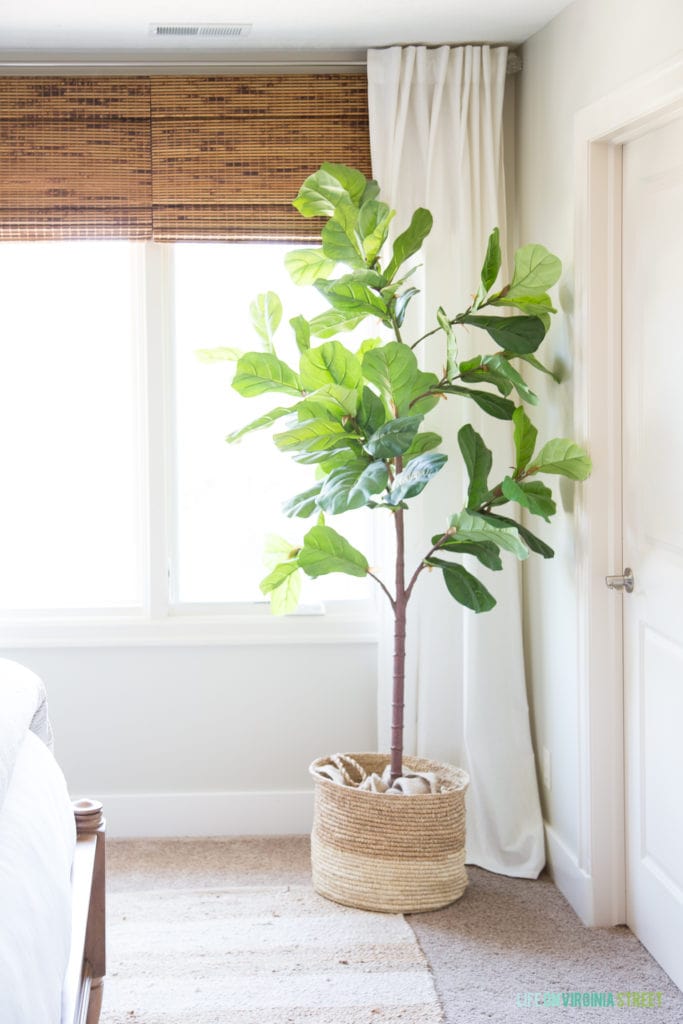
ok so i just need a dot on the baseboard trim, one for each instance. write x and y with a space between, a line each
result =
169 815
573 882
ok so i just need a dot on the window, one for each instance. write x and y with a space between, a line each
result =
120 493
70 423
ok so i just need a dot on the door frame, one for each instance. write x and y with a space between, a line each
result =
598 891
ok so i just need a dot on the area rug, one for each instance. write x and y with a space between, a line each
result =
255 955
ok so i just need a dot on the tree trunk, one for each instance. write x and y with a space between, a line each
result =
398 694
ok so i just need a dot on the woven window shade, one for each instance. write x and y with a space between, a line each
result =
75 158
229 153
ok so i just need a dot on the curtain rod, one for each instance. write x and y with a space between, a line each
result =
514 65
166 65
136 65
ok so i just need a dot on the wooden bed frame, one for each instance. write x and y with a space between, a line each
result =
84 977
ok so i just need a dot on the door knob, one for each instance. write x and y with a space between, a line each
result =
624 582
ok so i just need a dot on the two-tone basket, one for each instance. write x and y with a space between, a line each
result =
390 853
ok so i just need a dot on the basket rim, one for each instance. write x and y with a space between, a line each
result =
461 777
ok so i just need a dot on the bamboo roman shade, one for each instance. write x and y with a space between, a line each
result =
230 153
172 158
75 158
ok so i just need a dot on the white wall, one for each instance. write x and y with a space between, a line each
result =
590 49
205 740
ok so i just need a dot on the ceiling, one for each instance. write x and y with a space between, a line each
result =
74 31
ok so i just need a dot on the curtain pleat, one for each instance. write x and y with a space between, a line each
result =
436 140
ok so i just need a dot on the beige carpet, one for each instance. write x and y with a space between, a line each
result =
260 955
506 940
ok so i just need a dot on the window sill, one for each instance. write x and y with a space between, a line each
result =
234 627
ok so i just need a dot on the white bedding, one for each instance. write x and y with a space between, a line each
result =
23 706
37 838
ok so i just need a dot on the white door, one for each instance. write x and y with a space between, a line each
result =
652 332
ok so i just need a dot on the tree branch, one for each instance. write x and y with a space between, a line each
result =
423 564
456 320
378 581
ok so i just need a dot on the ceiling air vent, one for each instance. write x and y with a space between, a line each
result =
227 30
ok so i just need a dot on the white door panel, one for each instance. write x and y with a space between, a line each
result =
653 538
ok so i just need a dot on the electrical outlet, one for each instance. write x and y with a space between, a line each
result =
545 767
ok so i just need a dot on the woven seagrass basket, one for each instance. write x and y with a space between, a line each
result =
396 854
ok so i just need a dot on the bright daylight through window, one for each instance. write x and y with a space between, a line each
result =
84 501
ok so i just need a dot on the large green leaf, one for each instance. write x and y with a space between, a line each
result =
352 486
277 549
325 551
284 586
329 363
415 477
329 457
393 369
263 421
266 314
371 191
533 361
478 460
477 527
373 227
306 265
409 241
491 267
259 373
525 435
536 270
464 587
424 394
285 599
401 304
500 365
304 504
393 438
277 575
335 400
451 343
518 334
340 246
476 371
356 184
329 323
484 550
563 457
314 435
494 405
423 442
302 332
350 295
322 192
371 413
532 305
346 215
368 276
532 495
533 542
367 345
315 407
540 498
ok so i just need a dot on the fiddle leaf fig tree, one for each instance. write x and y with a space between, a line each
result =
359 416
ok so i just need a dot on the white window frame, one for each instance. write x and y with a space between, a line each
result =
161 620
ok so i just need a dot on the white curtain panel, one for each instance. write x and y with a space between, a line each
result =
436 131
